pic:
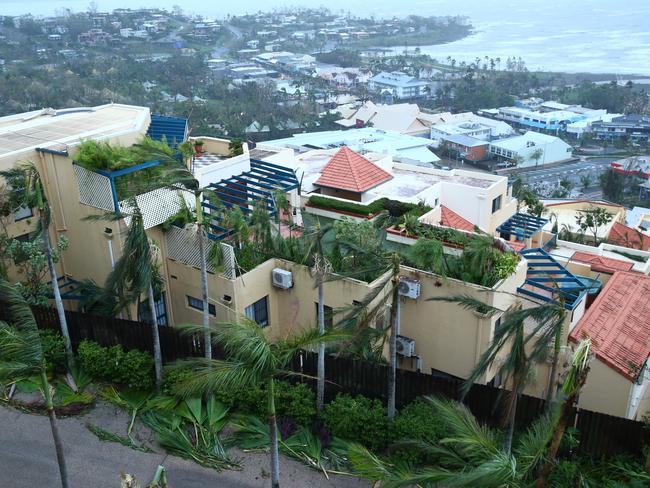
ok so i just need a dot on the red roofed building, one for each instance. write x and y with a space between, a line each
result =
618 324
601 264
625 236
449 218
349 175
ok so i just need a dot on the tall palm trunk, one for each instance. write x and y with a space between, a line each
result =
512 413
320 384
563 423
273 437
58 445
54 280
157 355
392 348
204 291
552 388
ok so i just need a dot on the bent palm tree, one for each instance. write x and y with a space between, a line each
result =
21 356
253 360
135 273
27 179
471 456
548 321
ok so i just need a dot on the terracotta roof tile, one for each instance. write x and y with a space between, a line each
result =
618 323
602 264
628 237
449 218
350 171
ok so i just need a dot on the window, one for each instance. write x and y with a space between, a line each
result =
144 314
259 312
198 305
329 316
496 204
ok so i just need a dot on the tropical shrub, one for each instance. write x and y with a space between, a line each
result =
357 419
416 422
111 364
53 350
294 401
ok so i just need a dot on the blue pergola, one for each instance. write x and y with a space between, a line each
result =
69 289
111 175
545 274
521 225
250 188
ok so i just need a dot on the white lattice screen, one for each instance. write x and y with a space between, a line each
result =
182 246
157 205
94 189
229 270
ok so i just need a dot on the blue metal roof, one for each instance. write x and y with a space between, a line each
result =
521 225
173 129
550 281
69 289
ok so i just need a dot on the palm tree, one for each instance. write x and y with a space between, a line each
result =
21 356
282 203
511 336
27 179
573 383
471 455
135 273
253 360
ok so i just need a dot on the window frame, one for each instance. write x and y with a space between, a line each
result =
198 305
251 311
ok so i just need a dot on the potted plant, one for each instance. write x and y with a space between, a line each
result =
198 147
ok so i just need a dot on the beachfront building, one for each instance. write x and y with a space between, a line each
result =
399 85
531 149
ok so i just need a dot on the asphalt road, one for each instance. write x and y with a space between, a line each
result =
573 171
28 459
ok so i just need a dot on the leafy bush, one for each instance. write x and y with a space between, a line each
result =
395 208
416 422
53 350
133 369
358 419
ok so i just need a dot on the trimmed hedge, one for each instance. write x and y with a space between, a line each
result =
395 208
134 369
357 419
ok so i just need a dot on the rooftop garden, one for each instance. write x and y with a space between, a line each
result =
393 207
108 158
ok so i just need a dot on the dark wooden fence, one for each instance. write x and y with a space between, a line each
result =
599 434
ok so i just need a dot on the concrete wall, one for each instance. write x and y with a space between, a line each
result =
606 391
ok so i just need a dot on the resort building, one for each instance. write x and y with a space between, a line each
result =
399 85
531 149
468 124
323 177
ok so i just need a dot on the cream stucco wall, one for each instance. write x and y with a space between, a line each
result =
606 391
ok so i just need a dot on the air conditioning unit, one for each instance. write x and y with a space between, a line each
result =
282 278
405 346
409 288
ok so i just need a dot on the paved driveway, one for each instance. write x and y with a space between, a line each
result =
27 459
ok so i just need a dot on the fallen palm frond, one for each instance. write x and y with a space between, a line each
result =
252 434
106 436
190 429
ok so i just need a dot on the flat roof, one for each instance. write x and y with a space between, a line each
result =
464 140
58 129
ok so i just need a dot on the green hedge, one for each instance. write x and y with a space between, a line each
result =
395 208
357 419
53 350
134 369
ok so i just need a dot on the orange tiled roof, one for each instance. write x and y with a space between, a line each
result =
600 263
517 246
618 323
350 171
625 236
449 218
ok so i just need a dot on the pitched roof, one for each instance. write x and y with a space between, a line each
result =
348 170
602 264
449 218
618 323
628 237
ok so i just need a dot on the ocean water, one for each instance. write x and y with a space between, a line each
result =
597 36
